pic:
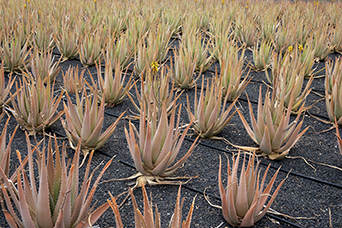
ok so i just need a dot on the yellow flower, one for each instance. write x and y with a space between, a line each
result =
289 49
222 1
300 47
25 6
94 1
154 66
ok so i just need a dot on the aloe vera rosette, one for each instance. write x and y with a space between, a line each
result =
56 201
158 144
244 199
272 129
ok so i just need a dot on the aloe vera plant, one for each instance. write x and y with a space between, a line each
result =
333 90
56 201
285 37
14 57
66 41
246 31
35 109
44 67
183 70
231 72
42 36
144 57
90 49
113 86
288 79
210 116
119 51
321 36
198 51
73 81
262 55
85 123
272 130
244 198
155 92
147 219
307 56
157 148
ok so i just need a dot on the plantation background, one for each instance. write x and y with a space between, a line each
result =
311 190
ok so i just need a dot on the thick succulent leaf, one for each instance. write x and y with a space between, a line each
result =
59 222
265 195
43 205
82 195
167 146
147 149
137 218
11 222
293 139
187 222
148 212
247 127
241 197
23 208
66 207
134 149
159 170
86 124
157 141
9 206
177 214
94 216
115 209
95 134
171 170
266 145
278 137
227 200
107 133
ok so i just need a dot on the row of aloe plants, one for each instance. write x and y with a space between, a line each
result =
145 34
159 139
